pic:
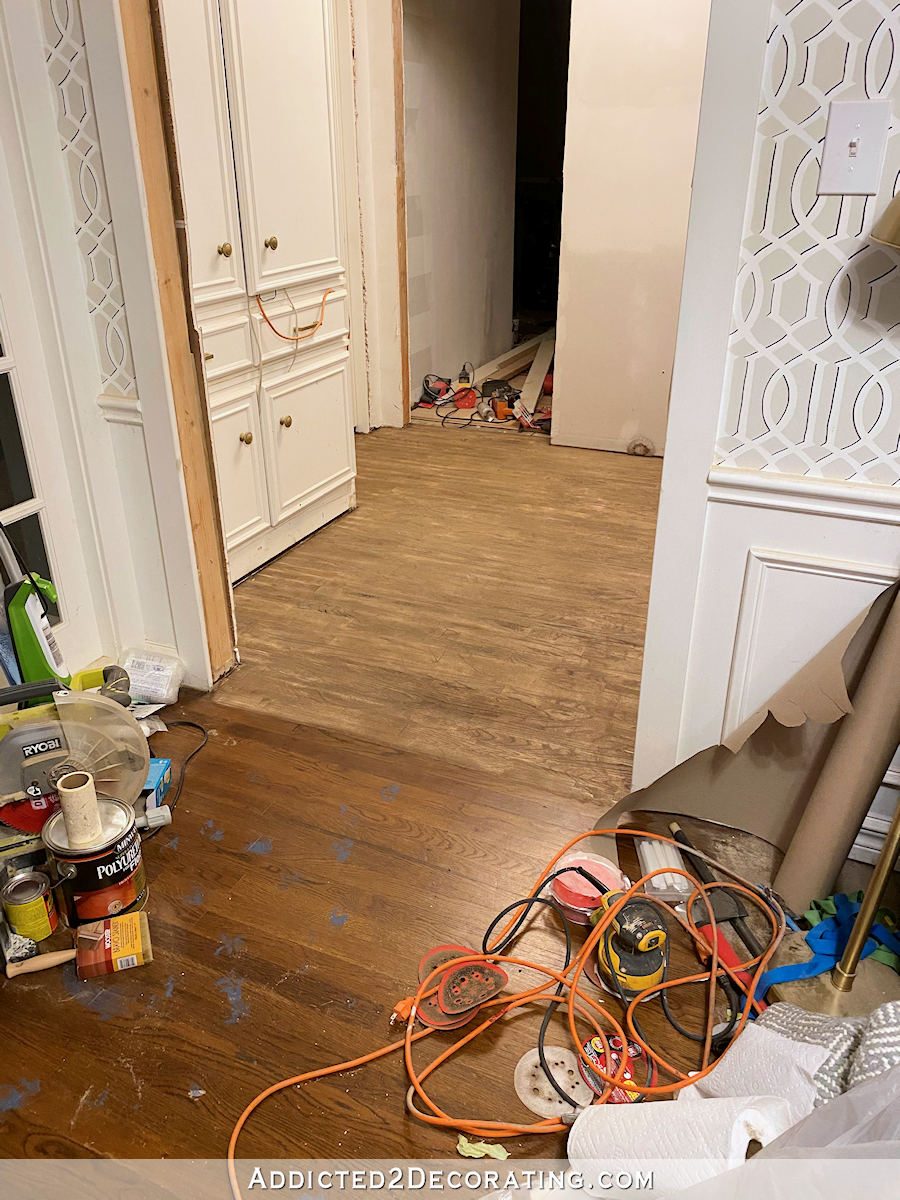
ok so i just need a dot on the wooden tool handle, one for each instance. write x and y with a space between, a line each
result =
39 962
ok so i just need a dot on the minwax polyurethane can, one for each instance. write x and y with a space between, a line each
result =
105 879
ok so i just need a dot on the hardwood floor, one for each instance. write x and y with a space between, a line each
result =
485 605
437 692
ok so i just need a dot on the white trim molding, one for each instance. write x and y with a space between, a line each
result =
128 206
805 494
735 59
118 410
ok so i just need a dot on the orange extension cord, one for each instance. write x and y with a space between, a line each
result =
578 1004
307 331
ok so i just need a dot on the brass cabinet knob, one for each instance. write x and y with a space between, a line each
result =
226 249
287 421
246 438
271 243
208 356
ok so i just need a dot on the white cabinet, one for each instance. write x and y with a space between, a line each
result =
203 138
238 448
262 108
282 103
312 448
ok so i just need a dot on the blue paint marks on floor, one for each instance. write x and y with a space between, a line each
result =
262 845
196 897
230 946
390 792
12 1097
209 829
173 842
100 1099
291 878
104 1001
170 987
232 989
342 849
338 919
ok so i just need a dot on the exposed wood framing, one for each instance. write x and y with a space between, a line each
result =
511 362
400 151
190 404
533 387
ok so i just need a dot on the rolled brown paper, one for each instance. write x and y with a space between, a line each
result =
863 748
39 962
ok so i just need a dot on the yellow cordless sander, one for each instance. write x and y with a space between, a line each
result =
631 956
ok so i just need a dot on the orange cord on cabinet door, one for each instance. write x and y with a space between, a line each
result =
578 1003
307 331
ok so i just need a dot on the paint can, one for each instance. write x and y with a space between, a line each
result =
103 880
28 905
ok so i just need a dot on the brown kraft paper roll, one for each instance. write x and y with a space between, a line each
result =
863 748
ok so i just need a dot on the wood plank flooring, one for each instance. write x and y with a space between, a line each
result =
485 605
437 692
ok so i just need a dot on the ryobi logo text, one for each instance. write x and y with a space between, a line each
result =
42 747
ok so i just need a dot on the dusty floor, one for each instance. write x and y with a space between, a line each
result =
437 692
484 606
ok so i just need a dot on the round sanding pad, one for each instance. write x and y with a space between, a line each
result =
535 1091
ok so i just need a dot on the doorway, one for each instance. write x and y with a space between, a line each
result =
484 124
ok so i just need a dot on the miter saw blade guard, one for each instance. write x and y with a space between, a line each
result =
75 731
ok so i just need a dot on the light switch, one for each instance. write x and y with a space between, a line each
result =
853 153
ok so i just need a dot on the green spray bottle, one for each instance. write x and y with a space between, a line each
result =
31 649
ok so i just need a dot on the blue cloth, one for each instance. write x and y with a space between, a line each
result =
827 940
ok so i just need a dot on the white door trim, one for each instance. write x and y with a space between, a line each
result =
128 203
735 59
58 290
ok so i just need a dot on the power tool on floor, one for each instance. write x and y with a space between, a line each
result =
631 956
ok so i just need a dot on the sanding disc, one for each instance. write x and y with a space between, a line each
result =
537 1093
440 955
430 1014
462 988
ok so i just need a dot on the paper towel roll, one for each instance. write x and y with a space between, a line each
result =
682 1144
81 813
763 1062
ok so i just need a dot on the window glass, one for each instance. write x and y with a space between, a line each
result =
15 481
28 541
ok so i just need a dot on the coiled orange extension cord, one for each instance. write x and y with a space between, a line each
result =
579 1004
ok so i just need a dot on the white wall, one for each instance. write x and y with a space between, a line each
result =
635 74
376 146
755 570
461 65
89 215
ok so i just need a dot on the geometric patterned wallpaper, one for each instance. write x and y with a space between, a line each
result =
80 145
813 378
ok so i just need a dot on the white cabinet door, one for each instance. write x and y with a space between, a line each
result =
280 56
240 464
309 435
193 42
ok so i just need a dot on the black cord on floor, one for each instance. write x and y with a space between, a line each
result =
172 800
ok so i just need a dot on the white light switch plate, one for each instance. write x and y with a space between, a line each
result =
853 153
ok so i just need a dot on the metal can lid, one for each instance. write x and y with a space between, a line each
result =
26 886
116 818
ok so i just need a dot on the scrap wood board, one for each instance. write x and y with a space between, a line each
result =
534 384
512 362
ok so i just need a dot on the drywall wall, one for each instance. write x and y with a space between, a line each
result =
756 567
460 63
814 359
378 166
635 73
